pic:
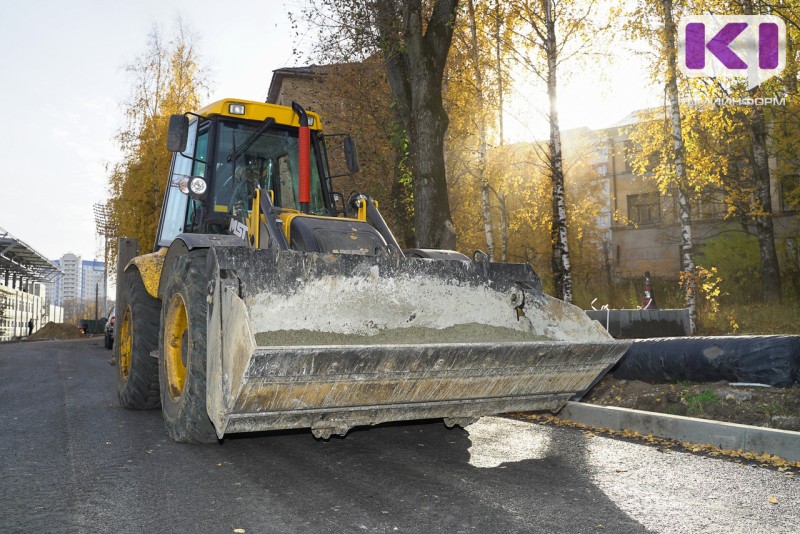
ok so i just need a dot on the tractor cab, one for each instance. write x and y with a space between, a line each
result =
260 172
226 152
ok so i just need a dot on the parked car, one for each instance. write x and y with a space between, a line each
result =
109 333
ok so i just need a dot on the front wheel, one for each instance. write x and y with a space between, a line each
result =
137 371
182 359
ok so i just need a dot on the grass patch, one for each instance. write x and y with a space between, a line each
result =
758 318
696 403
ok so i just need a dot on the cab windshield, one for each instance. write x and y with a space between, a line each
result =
269 162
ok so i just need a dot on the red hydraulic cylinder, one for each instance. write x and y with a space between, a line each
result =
303 158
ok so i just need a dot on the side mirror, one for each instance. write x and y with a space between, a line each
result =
350 154
178 133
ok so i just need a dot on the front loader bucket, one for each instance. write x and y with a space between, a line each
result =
329 342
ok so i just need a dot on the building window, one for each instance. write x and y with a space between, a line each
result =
710 205
644 208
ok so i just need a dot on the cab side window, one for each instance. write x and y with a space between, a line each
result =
198 169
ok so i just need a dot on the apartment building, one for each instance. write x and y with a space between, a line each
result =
93 276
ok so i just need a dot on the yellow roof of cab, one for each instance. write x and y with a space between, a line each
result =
258 111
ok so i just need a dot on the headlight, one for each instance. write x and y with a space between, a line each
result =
197 186
183 185
194 186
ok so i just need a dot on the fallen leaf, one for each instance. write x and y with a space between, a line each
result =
773 500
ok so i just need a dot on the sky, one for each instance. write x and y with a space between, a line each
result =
63 82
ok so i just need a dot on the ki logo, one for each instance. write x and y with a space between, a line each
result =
732 46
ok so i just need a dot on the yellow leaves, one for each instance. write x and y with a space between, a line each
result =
773 500
137 183
707 284
764 459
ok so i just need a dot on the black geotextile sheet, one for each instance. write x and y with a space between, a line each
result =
773 360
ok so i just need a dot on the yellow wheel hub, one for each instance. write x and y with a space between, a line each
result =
125 343
176 341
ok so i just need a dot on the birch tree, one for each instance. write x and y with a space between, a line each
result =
555 31
657 24
678 149
482 133
472 98
166 78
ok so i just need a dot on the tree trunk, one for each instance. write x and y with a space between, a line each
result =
770 271
415 69
499 70
501 197
481 170
684 209
560 258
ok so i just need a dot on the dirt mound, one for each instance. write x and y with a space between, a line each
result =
56 331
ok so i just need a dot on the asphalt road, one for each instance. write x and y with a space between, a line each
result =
72 460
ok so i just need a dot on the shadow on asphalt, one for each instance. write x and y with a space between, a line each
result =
121 473
423 477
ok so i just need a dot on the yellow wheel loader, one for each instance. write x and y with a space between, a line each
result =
272 302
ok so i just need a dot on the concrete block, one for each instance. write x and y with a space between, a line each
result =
783 443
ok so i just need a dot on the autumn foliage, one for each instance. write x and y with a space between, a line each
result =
166 79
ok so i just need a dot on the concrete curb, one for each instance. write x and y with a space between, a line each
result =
782 443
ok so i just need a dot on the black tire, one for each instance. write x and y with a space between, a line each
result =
108 341
182 356
137 332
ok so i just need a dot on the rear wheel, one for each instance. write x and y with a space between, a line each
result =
182 360
137 371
